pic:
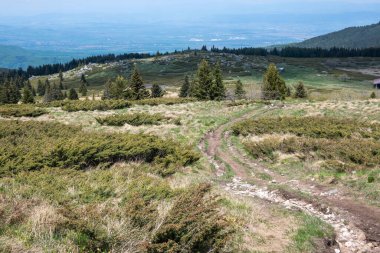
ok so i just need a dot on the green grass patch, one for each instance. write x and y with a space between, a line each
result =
311 229
21 111
135 119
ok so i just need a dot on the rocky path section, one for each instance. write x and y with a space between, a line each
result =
342 217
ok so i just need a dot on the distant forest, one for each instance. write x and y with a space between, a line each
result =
292 52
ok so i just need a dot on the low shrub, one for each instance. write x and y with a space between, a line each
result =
35 145
90 105
193 225
163 101
316 127
21 111
342 155
135 119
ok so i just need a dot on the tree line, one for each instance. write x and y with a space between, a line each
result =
297 52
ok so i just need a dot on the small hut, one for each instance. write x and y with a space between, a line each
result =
376 84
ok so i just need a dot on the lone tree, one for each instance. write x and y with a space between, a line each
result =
185 89
156 91
137 90
27 96
218 91
40 88
83 86
73 95
204 81
301 91
373 95
274 86
239 90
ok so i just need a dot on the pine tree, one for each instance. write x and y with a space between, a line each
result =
107 90
73 95
29 85
60 76
27 96
56 93
218 91
373 95
40 88
274 86
301 91
47 94
156 91
137 89
14 93
61 85
185 88
204 81
118 88
239 90
83 89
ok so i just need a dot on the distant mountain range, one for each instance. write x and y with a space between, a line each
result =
14 57
352 37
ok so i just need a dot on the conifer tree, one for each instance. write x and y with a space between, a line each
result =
73 95
218 91
137 89
60 76
56 93
301 91
274 86
48 94
156 91
14 94
204 81
27 96
29 85
107 90
118 88
83 89
185 88
40 88
239 90
373 95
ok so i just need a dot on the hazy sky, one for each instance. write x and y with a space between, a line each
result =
161 8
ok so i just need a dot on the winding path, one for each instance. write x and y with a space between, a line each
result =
357 225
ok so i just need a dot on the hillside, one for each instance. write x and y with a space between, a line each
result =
352 37
14 57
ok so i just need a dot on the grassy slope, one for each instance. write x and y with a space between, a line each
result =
353 37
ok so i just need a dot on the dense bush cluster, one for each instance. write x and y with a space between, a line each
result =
21 111
316 127
35 145
345 143
91 105
193 225
135 119
347 153
163 101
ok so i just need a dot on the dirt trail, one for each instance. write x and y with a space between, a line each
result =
357 225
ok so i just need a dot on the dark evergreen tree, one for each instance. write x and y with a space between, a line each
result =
47 94
56 93
14 93
27 96
373 95
136 89
204 81
218 91
301 91
40 88
73 95
239 90
185 88
83 85
274 86
60 75
156 91
107 90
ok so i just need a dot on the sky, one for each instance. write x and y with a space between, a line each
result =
184 8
